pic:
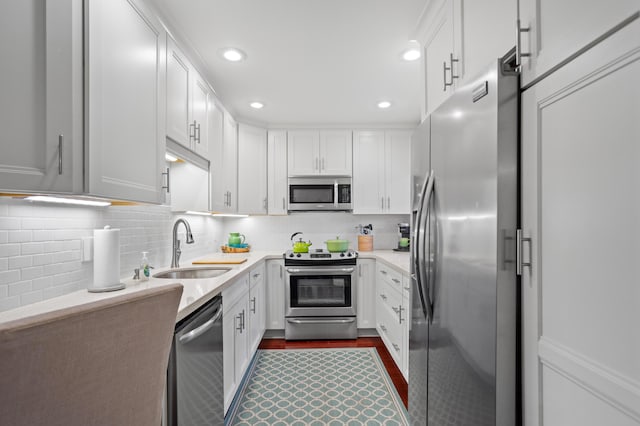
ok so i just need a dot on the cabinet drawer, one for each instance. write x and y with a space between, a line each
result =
256 275
390 275
234 293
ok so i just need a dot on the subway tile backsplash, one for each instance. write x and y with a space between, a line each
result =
41 245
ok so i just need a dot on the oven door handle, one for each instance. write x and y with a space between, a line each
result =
321 321
319 270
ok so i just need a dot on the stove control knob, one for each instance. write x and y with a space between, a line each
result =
291 255
348 254
298 255
341 254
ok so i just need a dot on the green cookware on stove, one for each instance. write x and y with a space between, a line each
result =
300 246
337 245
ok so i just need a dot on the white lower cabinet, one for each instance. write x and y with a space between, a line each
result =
257 307
235 341
391 314
275 286
366 303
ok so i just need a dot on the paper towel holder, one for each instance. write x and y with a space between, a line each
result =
105 270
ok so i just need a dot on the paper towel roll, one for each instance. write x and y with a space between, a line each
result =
106 260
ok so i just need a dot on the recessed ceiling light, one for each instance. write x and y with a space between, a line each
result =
256 105
232 54
411 54
384 104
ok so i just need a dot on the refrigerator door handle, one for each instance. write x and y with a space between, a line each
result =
421 256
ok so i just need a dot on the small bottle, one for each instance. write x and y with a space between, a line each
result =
144 267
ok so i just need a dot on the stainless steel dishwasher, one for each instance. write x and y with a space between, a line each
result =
195 388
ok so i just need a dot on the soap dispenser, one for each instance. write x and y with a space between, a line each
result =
144 267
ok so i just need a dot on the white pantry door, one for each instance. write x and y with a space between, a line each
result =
581 206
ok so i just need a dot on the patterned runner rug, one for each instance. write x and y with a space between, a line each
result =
291 387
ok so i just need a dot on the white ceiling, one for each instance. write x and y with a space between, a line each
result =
311 62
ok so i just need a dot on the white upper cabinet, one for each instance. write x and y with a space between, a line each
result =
326 152
336 152
217 199
224 166
381 171
178 96
125 101
441 58
277 172
559 29
189 98
252 170
41 101
368 172
460 38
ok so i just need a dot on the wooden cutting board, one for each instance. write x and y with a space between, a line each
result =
218 261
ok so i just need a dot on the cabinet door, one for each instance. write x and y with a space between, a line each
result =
303 147
277 172
405 321
252 170
397 160
487 32
580 180
257 315
178 95
368 172
366 293
230 164
558 29
199 126
230 321
275 294
438 49
336 150
125 102
41 101
217 199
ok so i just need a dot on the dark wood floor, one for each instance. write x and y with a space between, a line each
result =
362 342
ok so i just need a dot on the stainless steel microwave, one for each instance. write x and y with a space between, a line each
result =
320 193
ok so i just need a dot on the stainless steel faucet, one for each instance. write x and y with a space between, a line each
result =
175 259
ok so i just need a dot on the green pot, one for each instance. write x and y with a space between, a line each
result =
337 245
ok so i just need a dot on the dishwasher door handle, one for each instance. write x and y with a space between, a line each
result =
194 334
320 321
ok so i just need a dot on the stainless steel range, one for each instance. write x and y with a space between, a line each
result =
320 296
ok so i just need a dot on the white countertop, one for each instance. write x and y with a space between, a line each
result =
196 292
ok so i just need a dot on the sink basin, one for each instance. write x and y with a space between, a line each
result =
186 273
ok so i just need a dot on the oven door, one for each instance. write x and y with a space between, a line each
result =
316 291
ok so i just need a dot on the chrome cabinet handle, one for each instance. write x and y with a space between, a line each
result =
242 315
450 69
253 305
395 280
520 263
396 347
167 175
519 54
383 328
265 203
383 272
382 203
239 326
383 297
320 321
388 202
282 203
198 130
60 141
400 309
192 130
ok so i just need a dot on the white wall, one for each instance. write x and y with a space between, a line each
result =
40 245
274 232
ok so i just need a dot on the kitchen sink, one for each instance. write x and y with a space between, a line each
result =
187 273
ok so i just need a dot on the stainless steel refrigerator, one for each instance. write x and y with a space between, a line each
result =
463 340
